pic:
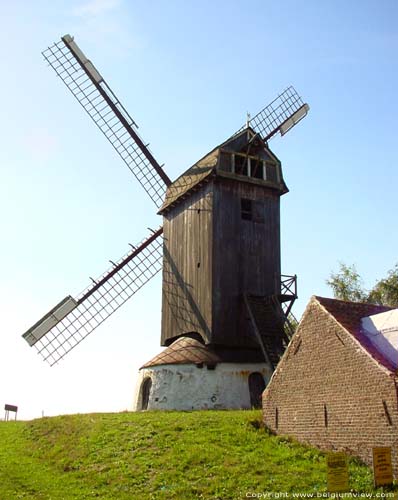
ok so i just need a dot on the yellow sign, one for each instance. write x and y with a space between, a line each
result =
382 467
337 472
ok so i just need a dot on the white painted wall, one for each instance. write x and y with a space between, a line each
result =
187 387
382 330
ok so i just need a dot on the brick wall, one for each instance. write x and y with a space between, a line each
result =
327 391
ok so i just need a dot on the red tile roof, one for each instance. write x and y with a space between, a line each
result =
349 315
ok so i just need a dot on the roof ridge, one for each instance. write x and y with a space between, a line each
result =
355 303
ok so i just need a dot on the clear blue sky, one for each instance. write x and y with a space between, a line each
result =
187 72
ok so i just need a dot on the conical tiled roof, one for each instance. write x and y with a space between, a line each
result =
184 350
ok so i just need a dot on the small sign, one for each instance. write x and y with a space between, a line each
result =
10 408
382 466
337 472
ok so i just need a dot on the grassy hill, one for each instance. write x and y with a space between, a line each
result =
156 455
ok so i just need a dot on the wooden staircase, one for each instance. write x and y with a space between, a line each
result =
270 324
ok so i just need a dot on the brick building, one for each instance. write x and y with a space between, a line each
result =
335 387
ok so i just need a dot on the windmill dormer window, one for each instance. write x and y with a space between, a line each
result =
271 172
257 168
254 167
249 166
240 165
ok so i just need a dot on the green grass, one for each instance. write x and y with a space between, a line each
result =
158 455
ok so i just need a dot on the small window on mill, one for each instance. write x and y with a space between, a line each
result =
225 161
241 164
246 209
257 168
271 172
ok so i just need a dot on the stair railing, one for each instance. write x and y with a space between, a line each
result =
256 330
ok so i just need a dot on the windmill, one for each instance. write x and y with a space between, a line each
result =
201 244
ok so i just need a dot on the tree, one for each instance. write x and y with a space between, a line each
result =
347 284
385 291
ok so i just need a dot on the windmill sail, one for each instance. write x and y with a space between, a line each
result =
70 321
280 115
93 93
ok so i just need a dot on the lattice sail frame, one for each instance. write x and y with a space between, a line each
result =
280 115
96 97
73 319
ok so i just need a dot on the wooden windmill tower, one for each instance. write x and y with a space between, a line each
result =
224 300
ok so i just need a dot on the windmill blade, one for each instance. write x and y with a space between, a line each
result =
70 321
105 109
280 115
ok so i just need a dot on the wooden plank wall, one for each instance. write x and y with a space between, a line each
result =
246 257
212 257
187 267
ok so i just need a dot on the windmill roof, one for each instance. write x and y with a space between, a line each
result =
184 350
191 178
350 315
206 166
